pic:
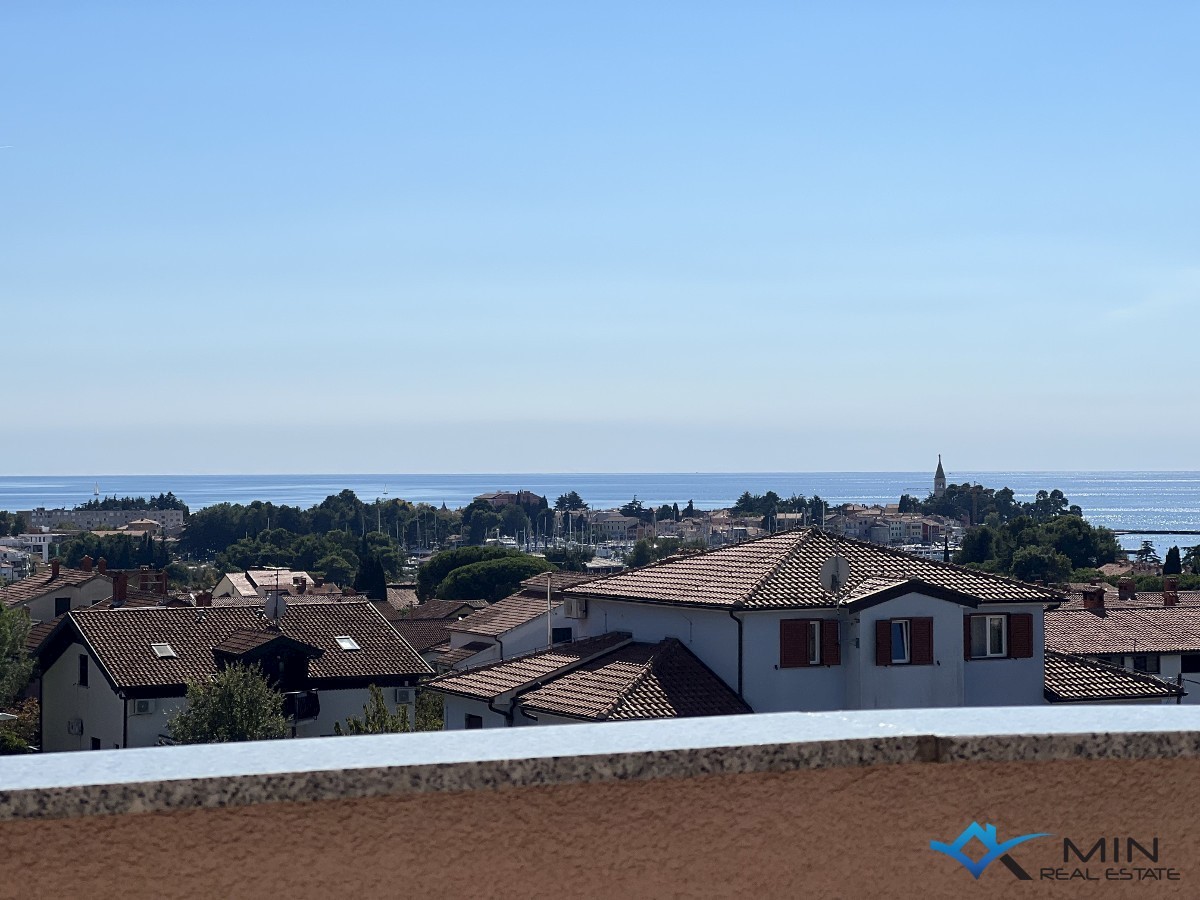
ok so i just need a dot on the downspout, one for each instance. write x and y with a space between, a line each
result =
739 642
125 723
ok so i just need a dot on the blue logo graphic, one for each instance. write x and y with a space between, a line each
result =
986 835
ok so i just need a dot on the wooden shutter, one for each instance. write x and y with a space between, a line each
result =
883 642
831 647
966 637
793 643
1020 636
921 640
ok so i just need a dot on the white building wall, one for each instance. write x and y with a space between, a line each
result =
64 699
1006 682
907 686
146 730
767 687
457 708
41 609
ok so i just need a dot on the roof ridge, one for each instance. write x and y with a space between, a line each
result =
900 554
809 531
663 647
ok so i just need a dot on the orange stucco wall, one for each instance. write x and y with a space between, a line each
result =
816 833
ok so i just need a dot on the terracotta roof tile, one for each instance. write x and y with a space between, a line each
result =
121 639
1071 678
782 571
402 596
638 681
558 581
504 615
445 609
490 681
452 658
44 583
1170 629
423 634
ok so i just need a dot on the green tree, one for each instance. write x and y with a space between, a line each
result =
370 579
236 704
430 575
569 500
1191 559
689 511
1146 553
514 520
641 554
1040 564
15 663
376 717
1173 565
336 568
492 579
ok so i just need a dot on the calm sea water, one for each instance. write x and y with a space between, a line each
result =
1154 500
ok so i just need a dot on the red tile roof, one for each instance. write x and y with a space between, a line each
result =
504 615
121 639
422 634
1170 629
490 681
637 681
445 609
44 583
782 571
1071 678
451 658
1141 599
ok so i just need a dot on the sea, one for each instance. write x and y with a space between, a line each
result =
1157 501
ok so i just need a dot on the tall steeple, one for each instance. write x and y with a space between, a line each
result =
939 479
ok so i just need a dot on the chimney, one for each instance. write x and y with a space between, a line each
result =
86 564
120 589
54 567
204 599
144 578
102 565
299 584
1171 590
1093 598
162 583
1126 589
318 582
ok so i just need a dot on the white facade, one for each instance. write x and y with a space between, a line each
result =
91 519
60 598
76 717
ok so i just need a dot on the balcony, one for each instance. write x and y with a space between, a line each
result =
829 804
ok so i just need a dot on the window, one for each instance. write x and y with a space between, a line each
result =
561 635
163 651
1146 662
95 743
989 636
900 642
347 643
814 642
83 670
61 605
474 722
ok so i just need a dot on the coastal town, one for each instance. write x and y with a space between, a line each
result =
530 613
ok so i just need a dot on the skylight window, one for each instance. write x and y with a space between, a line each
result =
164 651
347 643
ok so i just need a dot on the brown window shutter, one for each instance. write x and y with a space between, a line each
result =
966 637
793 643
1020 636
831 647
922 641
883 642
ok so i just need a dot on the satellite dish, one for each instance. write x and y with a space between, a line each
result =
276 606
835 573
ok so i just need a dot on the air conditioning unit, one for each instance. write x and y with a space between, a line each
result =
143 707
75 726
404 695
575 608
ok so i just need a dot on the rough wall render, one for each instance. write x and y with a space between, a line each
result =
816 833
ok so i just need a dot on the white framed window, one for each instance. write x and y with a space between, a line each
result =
346 642
814 643
901 645
989 636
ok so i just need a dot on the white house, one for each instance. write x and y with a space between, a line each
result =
896 632
112 678
49 594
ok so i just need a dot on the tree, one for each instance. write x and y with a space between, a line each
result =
1146 553
641 554
635 509
376 718
434 572
16 665
491 580
689 511
336 568
1191 559
1040 564
370 579
514 520
1173 565
569 500
236 704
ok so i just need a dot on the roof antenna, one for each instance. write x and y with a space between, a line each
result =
835 573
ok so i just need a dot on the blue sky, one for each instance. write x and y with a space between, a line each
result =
625 237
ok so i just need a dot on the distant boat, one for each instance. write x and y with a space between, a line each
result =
96 490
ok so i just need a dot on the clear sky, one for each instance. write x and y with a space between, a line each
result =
342 237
